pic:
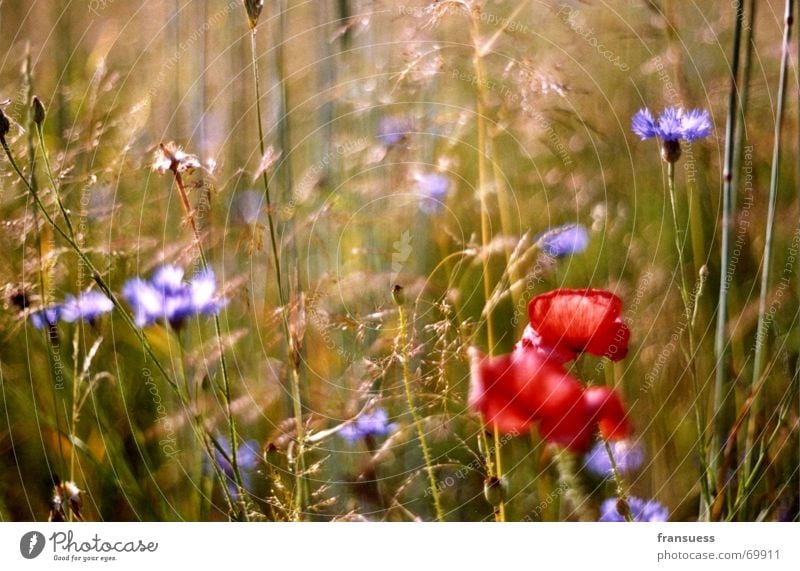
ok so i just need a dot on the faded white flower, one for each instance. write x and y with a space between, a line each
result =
170 157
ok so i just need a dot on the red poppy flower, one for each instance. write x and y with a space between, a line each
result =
513 390
532 340
599 408
607 409
573 321
572 429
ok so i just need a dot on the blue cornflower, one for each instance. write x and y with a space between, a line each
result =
166 296
564 240
46 317
393 129
247 457
370 424
433 187
627 455
88 306
641 510
672 126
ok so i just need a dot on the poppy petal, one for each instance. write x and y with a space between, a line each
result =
491 393
572 321
609 412
573 428
513 390
532 340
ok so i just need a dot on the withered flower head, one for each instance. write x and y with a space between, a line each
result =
170 157
253 8
5 125
38 110
65 493
398 294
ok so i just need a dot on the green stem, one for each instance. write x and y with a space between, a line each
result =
763 320
690 301
226 385
483 190
47 330
301 493
576 491
417 421
52 180
264 179
33 127
293 278
721 404
621 493
684 289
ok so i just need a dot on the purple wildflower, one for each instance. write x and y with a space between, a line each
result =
627 455
169 298
673 124
247 458
370 424
393 129
564 240
644 125
696 124
433 188
46 317
88 306
641 510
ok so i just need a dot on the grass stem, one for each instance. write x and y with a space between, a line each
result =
764 318
721 404
403 340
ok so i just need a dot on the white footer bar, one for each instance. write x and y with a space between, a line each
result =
406 547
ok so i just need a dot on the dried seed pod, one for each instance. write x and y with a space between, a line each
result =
253 8
39 112
398 295
5 125
495 490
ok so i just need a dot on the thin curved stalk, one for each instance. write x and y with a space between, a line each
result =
417 421
226 385
301 494
621 493
52 180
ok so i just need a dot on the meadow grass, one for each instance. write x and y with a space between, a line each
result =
372 185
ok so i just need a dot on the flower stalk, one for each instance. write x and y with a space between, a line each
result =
253 9
760 358
721 402
398 297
